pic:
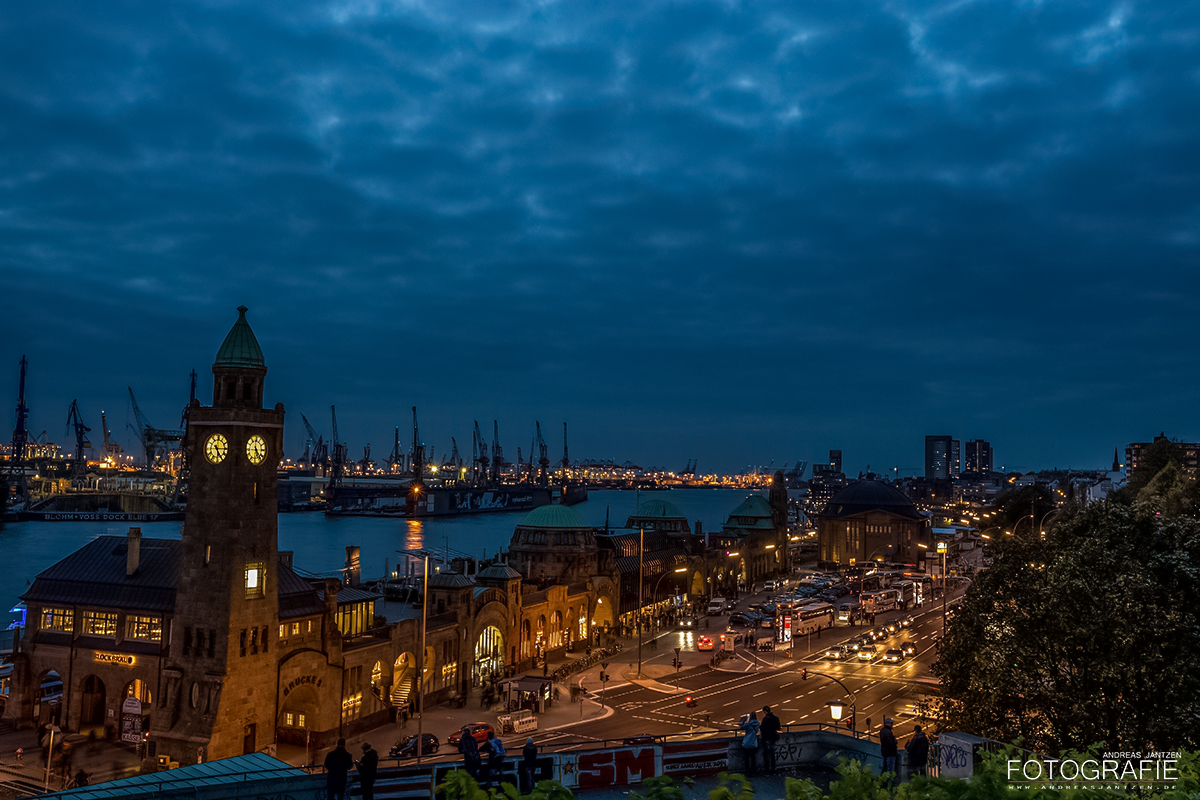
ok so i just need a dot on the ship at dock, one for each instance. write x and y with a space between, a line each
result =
487 482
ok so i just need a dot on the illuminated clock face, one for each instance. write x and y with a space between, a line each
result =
215 448
256 449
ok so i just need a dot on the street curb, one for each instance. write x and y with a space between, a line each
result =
608 712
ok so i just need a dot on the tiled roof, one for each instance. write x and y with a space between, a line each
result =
350 594
94 575
449 580
297 597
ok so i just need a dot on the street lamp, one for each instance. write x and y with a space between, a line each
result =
837 710
942 548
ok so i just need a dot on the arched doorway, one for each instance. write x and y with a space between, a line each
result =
489 655
141 690
47 698
603 617
298 716
697 586
404 676
91 704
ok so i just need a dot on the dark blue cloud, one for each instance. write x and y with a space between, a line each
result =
738 231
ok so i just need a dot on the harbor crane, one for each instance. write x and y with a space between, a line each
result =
543 459
156 442
338 460
395 460
566 462
315 450
75 420
497 454
479 457
112 450
20 438
418 454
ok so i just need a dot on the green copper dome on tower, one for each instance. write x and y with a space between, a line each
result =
240 348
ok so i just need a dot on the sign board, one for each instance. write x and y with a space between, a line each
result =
131 720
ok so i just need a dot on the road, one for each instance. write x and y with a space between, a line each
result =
752 680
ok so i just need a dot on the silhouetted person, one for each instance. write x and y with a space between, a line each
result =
770 735
529 754
470 753
337 767
496 755
887 746
750 728
918 752
368 765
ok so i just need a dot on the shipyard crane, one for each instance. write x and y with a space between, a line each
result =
75 420
543 459
112 450
479 457
338 461
155 441
365 464
418 454
497 454
566 462
455 459
395 459
315 449
20 437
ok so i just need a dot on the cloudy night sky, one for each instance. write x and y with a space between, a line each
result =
731 231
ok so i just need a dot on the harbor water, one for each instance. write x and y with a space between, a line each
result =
320 542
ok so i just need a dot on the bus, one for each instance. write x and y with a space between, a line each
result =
879 601
811 618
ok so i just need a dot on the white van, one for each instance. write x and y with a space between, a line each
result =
716 605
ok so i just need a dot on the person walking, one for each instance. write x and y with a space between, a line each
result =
770 735
496 755
750 727
918 753
470 752
368 766
337 766
529 754
887 746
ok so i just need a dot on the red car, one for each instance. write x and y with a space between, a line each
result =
479 730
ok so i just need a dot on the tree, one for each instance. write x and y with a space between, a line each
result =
1091 635
1155 457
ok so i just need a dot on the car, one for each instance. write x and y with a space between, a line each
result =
641 738
744 619
705 643
837 653
893 626
879 634
868 652
906 621
479 730
730 633
769 586
730 605
407 747
756 607
908 648
687 622
853 644
893 656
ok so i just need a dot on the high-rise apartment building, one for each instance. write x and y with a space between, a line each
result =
937 457
979 456
955 458
835 460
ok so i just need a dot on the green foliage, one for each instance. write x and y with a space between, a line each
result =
662 787
858 782
459 785
1155 458
801 790
1092 635
732 786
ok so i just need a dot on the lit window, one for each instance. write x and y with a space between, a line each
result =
149 628
99 623
288 719
255 578
58 619
283 635
296 628
300 720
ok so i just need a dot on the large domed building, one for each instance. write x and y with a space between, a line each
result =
871 520
554 543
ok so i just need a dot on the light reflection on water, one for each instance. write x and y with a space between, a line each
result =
320 542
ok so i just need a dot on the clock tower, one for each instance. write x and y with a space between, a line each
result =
220 684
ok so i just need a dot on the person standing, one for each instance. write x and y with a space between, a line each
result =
770 735
368 766
470 752
918 753
496 755
529 754
887 746
750 729
337 766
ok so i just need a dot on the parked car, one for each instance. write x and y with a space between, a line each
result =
745 619
407 747
837 653
908 648
479 730
705 643
868 652
893 656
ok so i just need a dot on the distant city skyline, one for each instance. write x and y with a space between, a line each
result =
724 232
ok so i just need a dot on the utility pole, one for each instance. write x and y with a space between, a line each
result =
421 661
641 581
